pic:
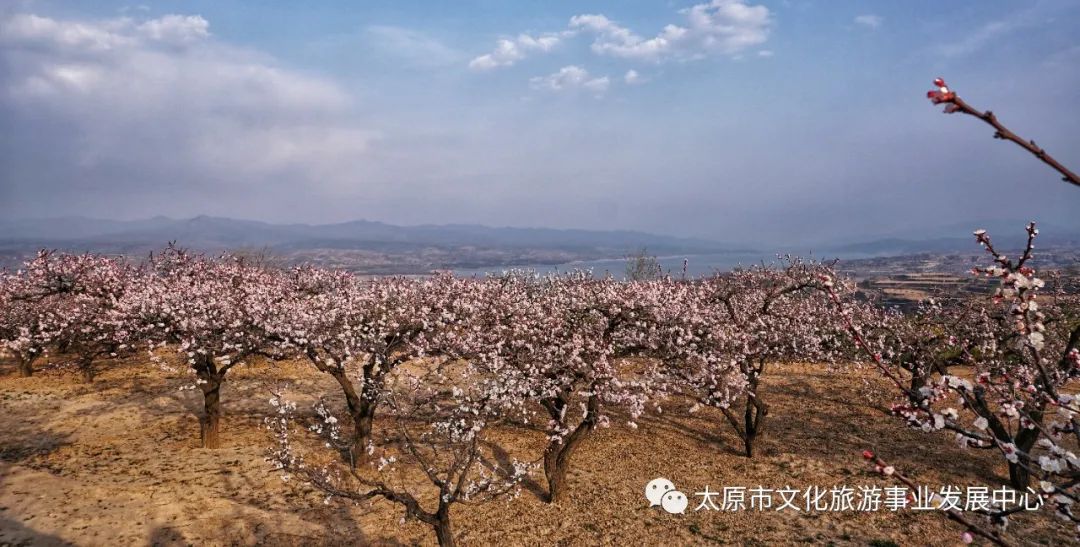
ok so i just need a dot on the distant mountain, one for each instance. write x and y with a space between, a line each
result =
361 244
215 232
377 247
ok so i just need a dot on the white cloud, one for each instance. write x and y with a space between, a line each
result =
103 35
766 53
509 51
570 78
162 100
632 77
869 21
176 29
725 27
30 30
618 41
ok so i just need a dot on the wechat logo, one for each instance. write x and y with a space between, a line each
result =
662 492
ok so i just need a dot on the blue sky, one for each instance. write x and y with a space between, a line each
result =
756 121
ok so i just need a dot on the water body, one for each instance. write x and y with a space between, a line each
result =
696 265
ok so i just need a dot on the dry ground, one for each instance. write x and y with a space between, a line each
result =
117 463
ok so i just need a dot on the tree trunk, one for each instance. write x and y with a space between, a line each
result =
748 426
211 420
443 531
558 453
555 458
26 367
361 405
86 367
210 424
754 423
363 419
755 412
1019 475
362 412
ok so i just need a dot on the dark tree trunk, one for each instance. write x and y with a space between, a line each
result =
363 419
211 380
86 367
755 412
361 427
211 421
753 423
443 531
1019 475
361 405
749 429
558 453
26 367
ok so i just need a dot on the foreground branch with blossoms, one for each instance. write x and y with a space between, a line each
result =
1024 353
1021 358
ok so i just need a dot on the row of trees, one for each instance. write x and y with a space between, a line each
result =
447 361
568 352
446 358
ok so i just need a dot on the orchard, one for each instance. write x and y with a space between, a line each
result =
429 369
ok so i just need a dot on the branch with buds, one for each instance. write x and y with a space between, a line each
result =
953 103
971 528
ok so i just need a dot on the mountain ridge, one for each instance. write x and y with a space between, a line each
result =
380 247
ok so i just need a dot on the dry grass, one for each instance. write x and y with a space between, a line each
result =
116 463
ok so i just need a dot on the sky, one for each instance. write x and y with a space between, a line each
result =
752 121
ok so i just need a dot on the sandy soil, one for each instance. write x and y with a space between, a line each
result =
117 463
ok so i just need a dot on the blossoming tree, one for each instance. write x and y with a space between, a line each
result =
25 329
338 321
215 313
1024 349
85 317
438 423
723 332
561 338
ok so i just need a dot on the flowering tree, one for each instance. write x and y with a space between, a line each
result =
70 301
1024 349
215 313
721 334
337 321
85 318
1022 358
439 422
25 329
559 339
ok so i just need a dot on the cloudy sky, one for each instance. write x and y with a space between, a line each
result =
755 120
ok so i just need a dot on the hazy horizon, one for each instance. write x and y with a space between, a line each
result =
736 121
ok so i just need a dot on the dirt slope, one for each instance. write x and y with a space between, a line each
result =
116 463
